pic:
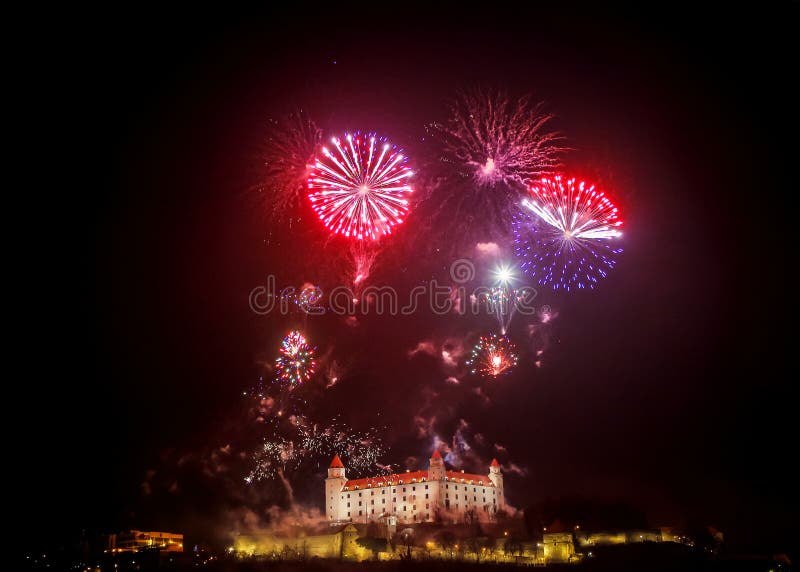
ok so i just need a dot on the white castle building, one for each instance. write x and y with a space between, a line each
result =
419 496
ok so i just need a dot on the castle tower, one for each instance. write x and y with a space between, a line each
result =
497 479
333 488
436 467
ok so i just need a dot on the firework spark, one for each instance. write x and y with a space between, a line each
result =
296 363
492 356
298 443
566 235
360 189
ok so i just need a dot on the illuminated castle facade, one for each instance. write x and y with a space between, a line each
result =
432 495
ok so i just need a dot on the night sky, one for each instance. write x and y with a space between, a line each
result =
667 387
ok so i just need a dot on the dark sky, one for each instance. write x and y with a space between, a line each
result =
668 387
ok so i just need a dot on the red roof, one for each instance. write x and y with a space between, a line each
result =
495 463
383 480
336 463
457 476
436 454
415 477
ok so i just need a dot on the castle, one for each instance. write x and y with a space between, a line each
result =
434 495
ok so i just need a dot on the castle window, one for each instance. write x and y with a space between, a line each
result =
413 488
475 498
404 508
372 493
426 495
359 513
384 501
348 495
359 503
427 505
383 492
348 505
348 513
474 489
404 499
404 489
373 511
426 487
359 494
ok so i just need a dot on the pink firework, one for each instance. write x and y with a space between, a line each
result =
359 188
497 141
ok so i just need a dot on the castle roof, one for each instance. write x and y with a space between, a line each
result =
336 463
470 478
413 477
495 463
384 480
436 454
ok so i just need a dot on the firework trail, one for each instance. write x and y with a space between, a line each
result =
288 156
502 301
490 148
566 234
492 356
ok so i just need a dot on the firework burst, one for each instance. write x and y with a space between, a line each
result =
296 363
567 234
495 141
359 187
288 156
297 443
489 149
492 356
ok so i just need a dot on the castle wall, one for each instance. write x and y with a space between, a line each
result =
340 544
416 498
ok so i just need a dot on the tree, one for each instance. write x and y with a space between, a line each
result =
446 540
407 537
375 545
513 547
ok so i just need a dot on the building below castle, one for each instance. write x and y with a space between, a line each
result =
138 540
432 495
